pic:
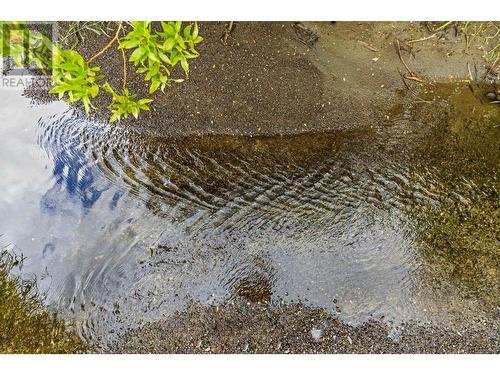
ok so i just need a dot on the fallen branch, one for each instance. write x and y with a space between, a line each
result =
411 75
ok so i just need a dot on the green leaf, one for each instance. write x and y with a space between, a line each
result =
185 65
152 56
168 44
177 26
108 88
127 44
114 117
195 31
137 54
168 28
94 90
154 86
175 57
155 69
86 104
180 41
187 31
164 57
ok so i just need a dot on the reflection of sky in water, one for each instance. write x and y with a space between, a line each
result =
46 196
74 178
82 241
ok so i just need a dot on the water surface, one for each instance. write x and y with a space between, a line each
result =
121 227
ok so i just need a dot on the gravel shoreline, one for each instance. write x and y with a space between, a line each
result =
240 326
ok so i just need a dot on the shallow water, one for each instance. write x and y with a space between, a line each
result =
121 227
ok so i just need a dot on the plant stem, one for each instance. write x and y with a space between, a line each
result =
124 69
108 46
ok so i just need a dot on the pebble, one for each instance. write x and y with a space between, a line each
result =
316 334
491 96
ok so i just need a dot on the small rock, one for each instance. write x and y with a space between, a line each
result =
316 334
349 339
491 96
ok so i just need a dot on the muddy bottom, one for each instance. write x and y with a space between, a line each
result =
382 225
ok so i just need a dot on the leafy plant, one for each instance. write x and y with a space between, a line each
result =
71 76
125 104
181 46
154 53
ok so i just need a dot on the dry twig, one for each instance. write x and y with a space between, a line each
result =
410 75
470 73
366 45
228 29
421 39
